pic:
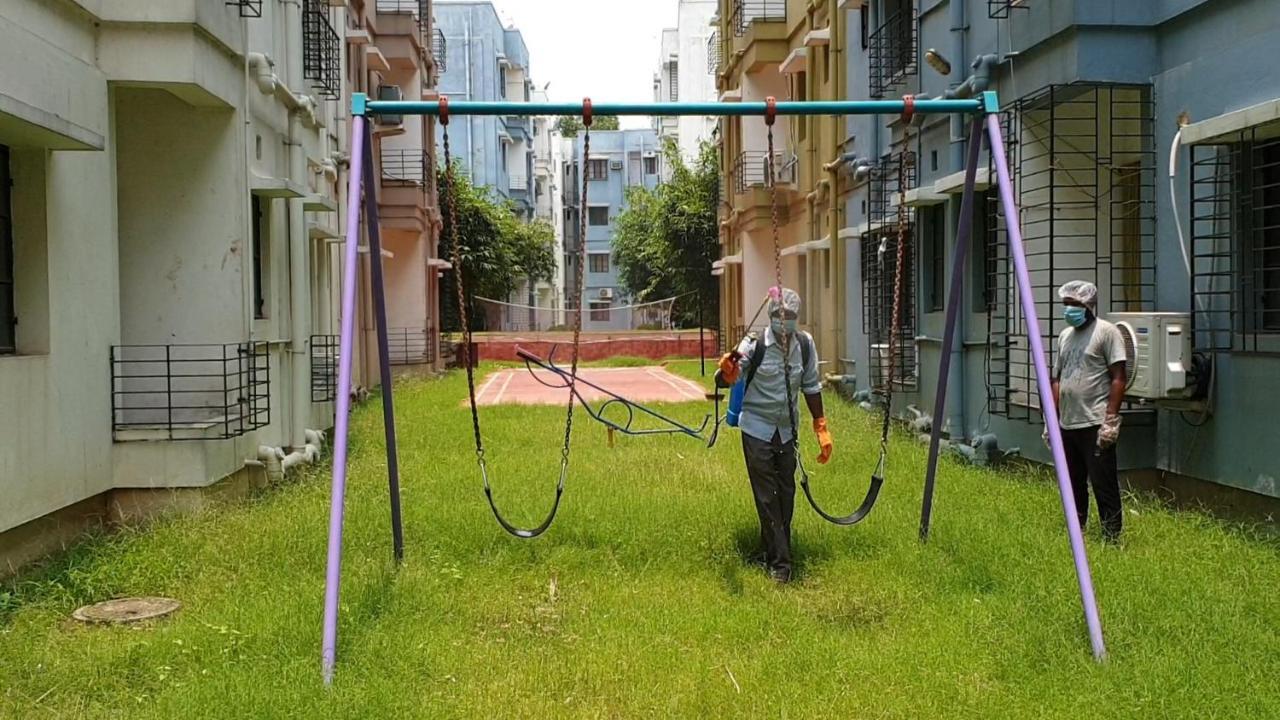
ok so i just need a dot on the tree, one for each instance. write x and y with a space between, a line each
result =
497 248
666 239
570 125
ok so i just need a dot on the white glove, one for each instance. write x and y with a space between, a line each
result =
1109 432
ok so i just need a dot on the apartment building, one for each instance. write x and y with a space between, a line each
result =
618 160
173 181
684 74
397 52
789 50
1093 93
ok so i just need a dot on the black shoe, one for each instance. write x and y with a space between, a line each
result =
781 576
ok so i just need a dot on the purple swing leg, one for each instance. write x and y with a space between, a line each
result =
996 141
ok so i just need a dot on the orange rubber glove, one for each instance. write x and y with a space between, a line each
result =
729 368
824 440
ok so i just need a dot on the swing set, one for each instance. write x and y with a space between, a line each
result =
982 109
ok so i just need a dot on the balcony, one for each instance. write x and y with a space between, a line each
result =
760 32
411 346
321 50
439 51
324 368
752 170
715 52
403 29
892 51
247 8
189 392
405 168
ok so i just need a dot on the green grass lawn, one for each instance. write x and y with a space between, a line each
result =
639 603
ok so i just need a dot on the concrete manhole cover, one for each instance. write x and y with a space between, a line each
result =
126 610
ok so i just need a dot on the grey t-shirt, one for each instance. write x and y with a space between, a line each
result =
1082 370
764 407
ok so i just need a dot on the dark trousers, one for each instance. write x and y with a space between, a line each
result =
1089 465
772 469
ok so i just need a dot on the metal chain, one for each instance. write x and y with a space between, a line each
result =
464 319
578 274
895 328
777 269
773 202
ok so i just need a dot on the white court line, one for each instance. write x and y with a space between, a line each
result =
488 382
654 372
498 399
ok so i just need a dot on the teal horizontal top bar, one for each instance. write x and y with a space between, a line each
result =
361 105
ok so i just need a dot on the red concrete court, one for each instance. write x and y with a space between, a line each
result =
640 384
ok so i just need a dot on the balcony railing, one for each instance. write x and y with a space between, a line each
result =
421 9
189 392
746 12
247 8
324 368
1002 9
439 50
752 169
405 168
518 182
715 52
411 346
892 52
321 50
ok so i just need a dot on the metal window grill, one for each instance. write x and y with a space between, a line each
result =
405 168
879 263
1083 159
1235 242
715 52
673 81
321 50
189 392
411 346
324 368
746 12
439 51
893 52
247 8
1002 9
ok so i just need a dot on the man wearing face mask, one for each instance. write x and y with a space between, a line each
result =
1088 387
768 443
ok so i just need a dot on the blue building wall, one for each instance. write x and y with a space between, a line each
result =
625 152
480 52
1205 57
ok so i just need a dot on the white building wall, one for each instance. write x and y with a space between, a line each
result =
687 45
137 133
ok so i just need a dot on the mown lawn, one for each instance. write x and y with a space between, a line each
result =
639 602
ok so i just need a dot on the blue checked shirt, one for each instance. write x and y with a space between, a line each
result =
764 407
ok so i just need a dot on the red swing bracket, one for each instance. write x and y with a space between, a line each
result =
770 110
586 112
444 110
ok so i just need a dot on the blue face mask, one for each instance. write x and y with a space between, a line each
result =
1075 316
782 327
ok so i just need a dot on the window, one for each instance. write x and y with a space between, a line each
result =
932 267
673 81
802 287
261 256
892 48
597 169
651 166
879 258
8 319
864 17
983 248
599 311
598 262
598 215
502 82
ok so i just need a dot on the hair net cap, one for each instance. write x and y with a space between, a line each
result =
790 301
1082 291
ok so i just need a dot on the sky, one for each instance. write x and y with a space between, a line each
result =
603 49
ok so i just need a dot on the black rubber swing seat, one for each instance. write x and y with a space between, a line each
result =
858 515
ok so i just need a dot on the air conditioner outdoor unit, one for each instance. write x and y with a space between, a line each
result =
606 293
615 164
393 93
1158 354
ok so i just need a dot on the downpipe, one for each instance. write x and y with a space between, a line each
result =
278 463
